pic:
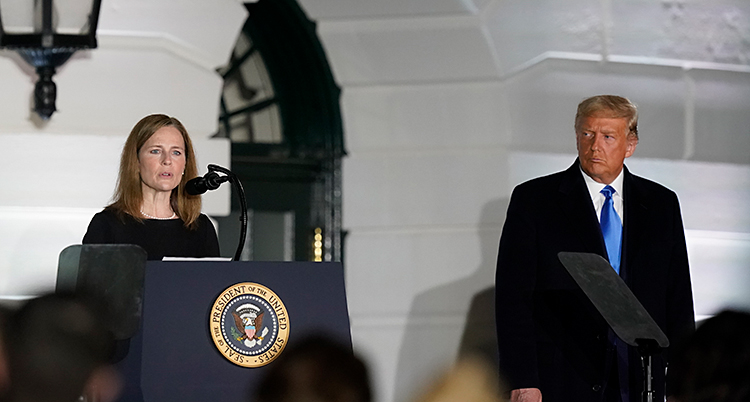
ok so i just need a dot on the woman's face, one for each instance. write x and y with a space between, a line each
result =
161 160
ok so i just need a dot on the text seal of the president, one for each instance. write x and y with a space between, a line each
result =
249 324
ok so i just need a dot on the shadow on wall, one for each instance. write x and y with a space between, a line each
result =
435 334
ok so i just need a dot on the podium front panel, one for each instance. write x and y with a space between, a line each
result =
178 358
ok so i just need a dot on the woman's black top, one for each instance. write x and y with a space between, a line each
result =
160 238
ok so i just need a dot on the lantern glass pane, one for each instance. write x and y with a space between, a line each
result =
18 15
25 16
72 16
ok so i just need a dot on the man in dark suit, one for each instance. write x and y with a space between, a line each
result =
552 341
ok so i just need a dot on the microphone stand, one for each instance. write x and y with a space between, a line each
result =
647 348
243 205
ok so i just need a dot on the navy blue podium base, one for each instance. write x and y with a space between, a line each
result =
172 357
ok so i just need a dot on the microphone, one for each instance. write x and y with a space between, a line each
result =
212 181
209 181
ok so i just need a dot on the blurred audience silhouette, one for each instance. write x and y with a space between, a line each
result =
57 350
316 369
714 364
320 370
4 375
472 379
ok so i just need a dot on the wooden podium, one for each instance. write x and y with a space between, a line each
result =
172 355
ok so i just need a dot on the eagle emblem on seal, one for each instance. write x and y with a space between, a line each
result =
248 321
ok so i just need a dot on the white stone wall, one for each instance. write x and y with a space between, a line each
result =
154 56
448 104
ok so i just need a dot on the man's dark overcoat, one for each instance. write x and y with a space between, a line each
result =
550 336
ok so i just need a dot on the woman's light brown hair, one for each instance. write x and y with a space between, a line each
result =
129 195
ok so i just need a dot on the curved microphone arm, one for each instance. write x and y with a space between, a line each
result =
243 205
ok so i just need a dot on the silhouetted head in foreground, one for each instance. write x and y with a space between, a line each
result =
4 375
714 365
57 350
316 370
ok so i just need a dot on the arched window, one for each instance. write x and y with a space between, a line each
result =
280 108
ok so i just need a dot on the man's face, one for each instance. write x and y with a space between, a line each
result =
603 144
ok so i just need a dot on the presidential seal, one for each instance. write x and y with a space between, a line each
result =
249 324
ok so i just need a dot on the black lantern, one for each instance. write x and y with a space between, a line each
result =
46 35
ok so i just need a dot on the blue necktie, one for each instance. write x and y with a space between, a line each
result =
611 228
612 231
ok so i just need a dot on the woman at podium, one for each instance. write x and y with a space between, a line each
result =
151 208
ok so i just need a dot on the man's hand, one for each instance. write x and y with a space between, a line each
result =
526 395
